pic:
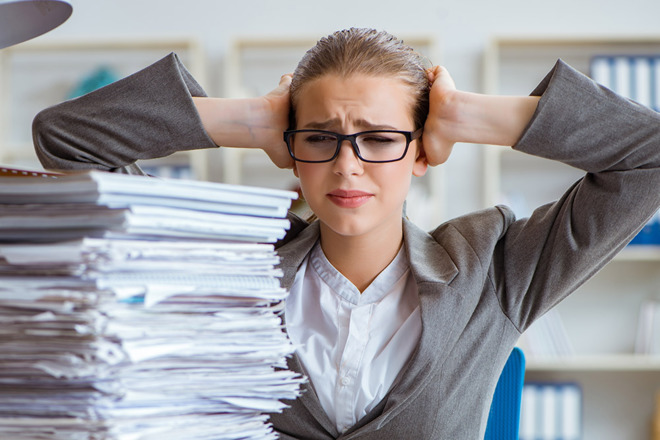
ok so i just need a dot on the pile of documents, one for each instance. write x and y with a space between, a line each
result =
137 308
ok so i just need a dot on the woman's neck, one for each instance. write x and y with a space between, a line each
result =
361 258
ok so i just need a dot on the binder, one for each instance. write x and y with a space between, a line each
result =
636 77
551 411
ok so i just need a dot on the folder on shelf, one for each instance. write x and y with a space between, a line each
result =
634 76
648 329
650 233
551 411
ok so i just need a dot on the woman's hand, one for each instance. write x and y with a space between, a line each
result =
438 138
278 101
250 122
458 116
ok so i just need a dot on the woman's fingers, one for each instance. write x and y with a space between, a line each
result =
437 138
278 101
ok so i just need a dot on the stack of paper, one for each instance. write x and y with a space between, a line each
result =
134 308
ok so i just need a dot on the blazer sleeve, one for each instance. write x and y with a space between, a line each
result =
616 142
146 115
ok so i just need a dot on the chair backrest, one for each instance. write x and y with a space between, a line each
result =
504 417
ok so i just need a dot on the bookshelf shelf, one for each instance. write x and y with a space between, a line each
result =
639 253
602 317
607 363
36 75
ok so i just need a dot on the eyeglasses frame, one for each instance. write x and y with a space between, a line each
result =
410 136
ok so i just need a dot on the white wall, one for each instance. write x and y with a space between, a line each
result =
463 28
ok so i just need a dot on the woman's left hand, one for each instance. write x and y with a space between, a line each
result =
438 140
459 116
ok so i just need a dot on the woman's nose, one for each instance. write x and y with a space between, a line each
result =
347 162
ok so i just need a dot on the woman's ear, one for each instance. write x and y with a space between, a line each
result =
295 169
421 164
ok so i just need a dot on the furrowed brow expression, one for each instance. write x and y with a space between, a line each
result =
346 189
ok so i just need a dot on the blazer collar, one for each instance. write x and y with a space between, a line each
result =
429 261
291 256
294 252
433 270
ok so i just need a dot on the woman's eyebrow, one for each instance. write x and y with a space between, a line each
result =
334 123
322 125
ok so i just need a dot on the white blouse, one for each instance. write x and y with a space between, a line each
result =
352 345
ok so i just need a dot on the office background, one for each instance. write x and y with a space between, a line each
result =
462 29
619 387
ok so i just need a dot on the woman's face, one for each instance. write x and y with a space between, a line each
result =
351 197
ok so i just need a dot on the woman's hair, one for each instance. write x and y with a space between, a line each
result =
365 51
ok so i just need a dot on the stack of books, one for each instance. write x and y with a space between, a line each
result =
137 308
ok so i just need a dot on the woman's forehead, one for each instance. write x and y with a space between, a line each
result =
367 99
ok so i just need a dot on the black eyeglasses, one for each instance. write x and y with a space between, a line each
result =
376 146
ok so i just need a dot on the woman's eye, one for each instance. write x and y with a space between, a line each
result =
379 139
373 140
318 138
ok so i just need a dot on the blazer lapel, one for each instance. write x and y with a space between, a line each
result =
309 399
433 270
294 252
291 257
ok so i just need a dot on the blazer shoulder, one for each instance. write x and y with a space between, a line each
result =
481 230
495 220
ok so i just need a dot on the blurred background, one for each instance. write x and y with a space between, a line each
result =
461 31
596 362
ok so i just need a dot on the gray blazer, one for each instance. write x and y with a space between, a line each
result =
483 278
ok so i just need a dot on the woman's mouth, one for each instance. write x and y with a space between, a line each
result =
349 198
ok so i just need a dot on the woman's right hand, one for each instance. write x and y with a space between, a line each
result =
459 116
278 100
250 122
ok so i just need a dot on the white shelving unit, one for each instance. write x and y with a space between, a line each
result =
35 75
609 363
619 387
254 67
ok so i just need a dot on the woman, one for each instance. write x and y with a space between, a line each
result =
402 333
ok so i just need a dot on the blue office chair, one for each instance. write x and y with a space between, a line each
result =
504 417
